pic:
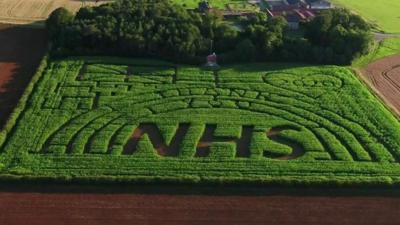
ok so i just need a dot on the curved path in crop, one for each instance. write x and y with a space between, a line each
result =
384 77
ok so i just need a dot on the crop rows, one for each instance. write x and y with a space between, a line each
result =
97 117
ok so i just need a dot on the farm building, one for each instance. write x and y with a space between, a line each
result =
295 4
296 11
298 3
293 21
320 4
293 15
276 4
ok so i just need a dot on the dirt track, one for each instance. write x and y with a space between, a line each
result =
74 209
21 50
384 76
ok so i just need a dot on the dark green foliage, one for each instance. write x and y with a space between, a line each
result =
162 29
338 36
265 33
128 27
245 51
58 20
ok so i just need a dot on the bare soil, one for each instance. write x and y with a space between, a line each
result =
21 50
297 149
75 209
384 77
157 139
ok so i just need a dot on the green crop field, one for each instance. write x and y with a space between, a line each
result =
385 48
384 13
143 120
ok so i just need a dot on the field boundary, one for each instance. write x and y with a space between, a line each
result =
288 181
376 53
18 110
57 186
24 22
383 101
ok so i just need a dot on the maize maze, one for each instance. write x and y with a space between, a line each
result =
134 120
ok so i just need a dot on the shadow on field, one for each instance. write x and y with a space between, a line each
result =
25 186
21 49
263 67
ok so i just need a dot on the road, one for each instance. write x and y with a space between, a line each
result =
382 36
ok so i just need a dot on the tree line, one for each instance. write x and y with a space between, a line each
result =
159 28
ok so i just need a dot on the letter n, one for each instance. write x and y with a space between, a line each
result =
153 135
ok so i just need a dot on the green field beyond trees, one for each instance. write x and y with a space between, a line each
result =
384 13
142 120
214 3
385 48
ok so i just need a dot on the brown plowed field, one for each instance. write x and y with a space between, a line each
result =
384 77
21 50
119 209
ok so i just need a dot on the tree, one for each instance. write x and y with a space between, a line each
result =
245 51
338 36
160 28
57 20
